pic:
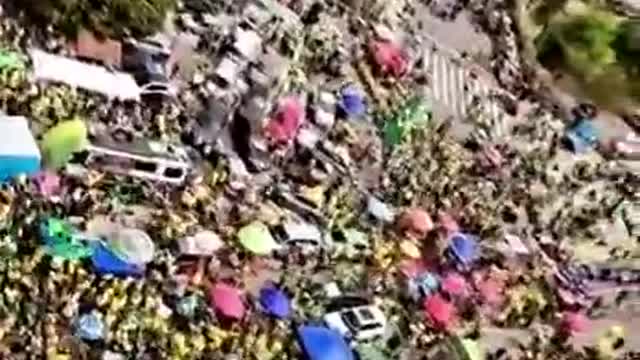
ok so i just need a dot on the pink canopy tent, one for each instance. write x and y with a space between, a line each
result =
441 312
284 125
227 300
391 58
574 322
491 291
455 284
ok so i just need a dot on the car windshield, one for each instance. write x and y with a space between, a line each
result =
353 321
155 67
346 301
366 315
350 318
156 88
369 326
302 242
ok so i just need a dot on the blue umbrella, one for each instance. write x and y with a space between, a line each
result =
321 343
275 302
464 247
352 101
105 261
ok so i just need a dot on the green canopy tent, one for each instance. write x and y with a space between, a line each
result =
63 140
411 114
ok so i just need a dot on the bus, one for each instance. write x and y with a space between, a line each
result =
143 159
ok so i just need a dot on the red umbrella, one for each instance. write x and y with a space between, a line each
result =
441 312
392 59
284 126
227 300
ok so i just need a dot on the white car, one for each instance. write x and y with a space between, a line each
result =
358 323
297 233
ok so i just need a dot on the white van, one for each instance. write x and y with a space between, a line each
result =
143 159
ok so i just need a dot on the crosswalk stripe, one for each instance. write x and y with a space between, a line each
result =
460 79
426 59
437 78
452 95
446 82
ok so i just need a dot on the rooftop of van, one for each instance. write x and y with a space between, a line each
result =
143 147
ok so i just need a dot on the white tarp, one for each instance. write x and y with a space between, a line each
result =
75 73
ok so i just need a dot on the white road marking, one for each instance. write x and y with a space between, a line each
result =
448 80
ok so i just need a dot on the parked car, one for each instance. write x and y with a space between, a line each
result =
299 233
358 323
147 62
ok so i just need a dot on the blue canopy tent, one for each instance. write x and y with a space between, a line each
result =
105 261
275 302
321 343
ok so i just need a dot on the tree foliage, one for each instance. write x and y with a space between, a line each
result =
600 50
108 17
627 46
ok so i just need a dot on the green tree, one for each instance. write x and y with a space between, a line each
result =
584 42
627 47
599 50
108 17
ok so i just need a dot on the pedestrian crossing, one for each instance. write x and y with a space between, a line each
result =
455 87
